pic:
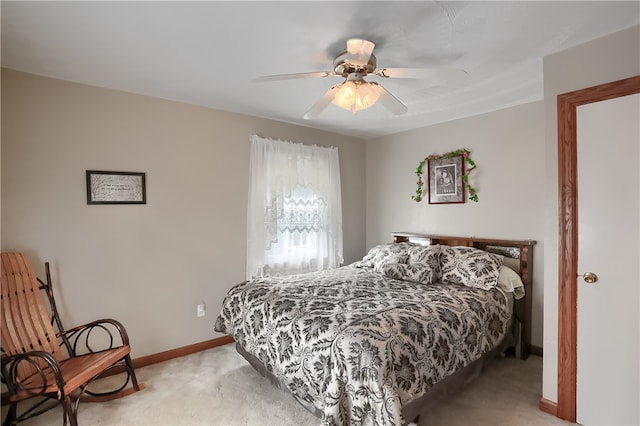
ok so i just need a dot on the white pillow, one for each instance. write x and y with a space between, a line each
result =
510 282
512 263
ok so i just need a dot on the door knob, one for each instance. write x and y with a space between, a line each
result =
590 277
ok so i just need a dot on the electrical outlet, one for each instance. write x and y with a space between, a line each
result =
201 309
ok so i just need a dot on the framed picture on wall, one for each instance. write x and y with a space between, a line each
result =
445 180
116 187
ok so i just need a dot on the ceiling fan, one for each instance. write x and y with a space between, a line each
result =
355 93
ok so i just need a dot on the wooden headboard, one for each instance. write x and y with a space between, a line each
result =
521 250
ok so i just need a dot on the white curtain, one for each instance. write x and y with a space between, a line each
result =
294 218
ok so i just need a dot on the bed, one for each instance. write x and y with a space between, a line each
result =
378 341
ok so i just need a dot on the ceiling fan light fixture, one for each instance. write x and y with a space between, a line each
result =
356 95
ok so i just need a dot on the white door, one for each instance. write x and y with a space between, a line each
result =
608 339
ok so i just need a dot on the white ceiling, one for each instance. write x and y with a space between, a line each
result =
208 53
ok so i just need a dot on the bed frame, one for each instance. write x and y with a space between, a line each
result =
522 250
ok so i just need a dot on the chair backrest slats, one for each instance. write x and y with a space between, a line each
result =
26 323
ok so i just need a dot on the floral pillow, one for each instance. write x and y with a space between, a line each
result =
470 266
409 272
383 253
390 259
428 256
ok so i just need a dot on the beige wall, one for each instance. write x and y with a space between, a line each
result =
607 59
146 265
150 265
508 147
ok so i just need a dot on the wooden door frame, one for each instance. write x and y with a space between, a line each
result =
568 238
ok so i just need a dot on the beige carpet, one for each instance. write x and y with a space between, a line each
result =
218 387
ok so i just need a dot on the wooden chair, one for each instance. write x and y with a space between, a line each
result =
43 367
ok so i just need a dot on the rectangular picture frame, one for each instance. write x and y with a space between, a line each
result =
108 187
445 180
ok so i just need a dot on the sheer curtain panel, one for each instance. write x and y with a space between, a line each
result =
294 218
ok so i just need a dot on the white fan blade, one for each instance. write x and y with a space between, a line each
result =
360 51
325 100
389 101
320 74
437 74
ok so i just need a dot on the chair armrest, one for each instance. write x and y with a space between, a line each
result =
44 366
82 334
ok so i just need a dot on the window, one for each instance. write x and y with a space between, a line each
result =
295 209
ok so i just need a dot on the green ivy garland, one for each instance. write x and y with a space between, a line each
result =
473 196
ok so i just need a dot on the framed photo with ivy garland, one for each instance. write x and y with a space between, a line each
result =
445 180
453 163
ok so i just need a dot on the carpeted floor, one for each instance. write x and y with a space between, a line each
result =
218 387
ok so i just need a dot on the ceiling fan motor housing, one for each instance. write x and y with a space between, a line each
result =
343 67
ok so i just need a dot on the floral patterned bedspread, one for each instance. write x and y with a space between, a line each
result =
357 344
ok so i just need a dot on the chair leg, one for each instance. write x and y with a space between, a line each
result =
10 418
69 412
132 372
